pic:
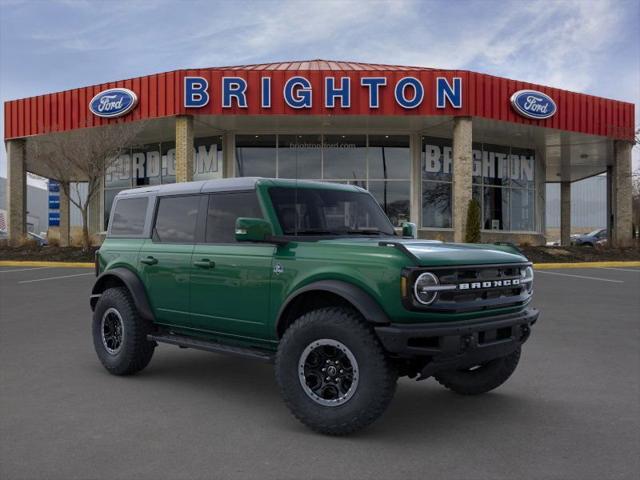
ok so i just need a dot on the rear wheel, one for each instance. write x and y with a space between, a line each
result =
120 334
333 373
480 378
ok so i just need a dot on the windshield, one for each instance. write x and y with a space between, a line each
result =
317 211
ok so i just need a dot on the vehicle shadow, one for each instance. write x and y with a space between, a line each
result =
418 408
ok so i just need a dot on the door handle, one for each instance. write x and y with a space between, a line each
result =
149 260
204 263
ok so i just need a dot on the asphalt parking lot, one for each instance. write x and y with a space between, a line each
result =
571 410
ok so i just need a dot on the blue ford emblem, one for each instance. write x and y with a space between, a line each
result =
533 104
114 102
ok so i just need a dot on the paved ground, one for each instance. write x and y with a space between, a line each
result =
571 411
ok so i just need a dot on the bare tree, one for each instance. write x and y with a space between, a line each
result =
82 156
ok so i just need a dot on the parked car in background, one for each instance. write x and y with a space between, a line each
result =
590 239
39 239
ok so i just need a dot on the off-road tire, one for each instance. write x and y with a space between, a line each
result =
377 375
135 352
482 379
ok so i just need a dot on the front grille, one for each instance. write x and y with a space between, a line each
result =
476 288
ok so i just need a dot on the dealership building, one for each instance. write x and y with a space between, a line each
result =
423 141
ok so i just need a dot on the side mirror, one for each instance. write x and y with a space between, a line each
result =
409 230
252 229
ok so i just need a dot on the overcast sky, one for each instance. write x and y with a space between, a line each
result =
586 46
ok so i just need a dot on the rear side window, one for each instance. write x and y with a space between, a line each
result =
224 209
128 216
176 219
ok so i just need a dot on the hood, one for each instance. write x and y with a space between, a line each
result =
435 253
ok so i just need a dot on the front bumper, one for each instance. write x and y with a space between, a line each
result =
453 345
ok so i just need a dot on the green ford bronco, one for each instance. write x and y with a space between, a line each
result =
313 277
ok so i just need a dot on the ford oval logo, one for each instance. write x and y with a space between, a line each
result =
533 104
114 102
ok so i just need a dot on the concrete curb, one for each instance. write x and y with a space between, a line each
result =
29 263
549 266
538 266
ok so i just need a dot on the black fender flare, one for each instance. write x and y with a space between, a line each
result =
361 300
133 284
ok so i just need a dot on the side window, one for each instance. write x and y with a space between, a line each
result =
176 219
224 209
128 216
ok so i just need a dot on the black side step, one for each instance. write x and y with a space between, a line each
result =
210 346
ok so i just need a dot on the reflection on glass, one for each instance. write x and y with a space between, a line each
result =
118 172
345 156
145 163
522 210
389 157
168 162
109 196
394 198
437 161
256 156
300 156
522 164
436 204
495 164
207 160
496 208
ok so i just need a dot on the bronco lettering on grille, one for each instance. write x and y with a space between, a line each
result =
489 284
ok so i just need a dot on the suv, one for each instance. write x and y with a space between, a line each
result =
313 277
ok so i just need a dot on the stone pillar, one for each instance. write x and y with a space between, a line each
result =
416 179
462 174
228 155
184 148
65 216
620 234
565 213
16 191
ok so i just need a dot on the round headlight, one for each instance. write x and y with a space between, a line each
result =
423 288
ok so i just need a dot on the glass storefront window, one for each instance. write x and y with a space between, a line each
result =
300 156
256 156
207 159
118 173
344 156
436 159
146 161
522 166
168 162
496 209
389 157
393 197
495 165
436 204
522 210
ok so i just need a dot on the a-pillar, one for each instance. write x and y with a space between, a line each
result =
184 148
620 204
565 213
16 191
462 174
65 216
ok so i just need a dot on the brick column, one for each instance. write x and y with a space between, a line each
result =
65 216
228 155
184 148
565 213
462 174
621 185
416 179
16 191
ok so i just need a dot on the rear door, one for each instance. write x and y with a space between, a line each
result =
230 281
165 259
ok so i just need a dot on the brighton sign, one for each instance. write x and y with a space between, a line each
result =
533 104
113 103
297 92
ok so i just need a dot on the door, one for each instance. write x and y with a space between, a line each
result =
165 259
231 281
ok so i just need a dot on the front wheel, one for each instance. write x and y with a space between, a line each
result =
480 378
333 373
120 333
